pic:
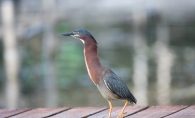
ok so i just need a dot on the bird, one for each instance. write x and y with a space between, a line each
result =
109 84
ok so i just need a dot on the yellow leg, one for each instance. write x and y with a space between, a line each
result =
122 112
109 116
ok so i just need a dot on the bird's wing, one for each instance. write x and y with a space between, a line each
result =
118 87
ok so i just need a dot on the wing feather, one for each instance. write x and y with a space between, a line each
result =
118 87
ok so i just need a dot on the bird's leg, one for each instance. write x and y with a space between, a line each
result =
122 112
110 104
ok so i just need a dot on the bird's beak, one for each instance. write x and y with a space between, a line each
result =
67 34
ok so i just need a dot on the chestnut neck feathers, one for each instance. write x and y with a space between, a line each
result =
92 60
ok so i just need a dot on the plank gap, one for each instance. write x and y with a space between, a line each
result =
175 112
57 113
95 113
18 113
138 111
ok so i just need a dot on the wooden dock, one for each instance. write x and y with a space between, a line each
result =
102 112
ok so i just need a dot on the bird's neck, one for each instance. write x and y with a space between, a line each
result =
92 61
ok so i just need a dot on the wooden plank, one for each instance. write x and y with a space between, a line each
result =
157 111
116 111
79 112
11 112
185 113
1 110
40 112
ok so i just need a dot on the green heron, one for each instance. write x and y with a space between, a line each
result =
109 84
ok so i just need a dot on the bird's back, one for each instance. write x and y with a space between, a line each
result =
117 86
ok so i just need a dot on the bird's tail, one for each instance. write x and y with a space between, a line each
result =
132 99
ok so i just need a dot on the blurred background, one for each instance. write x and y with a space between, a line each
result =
150 44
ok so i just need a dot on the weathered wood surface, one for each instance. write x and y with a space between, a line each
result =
117 110
157 111
11 112
102 112
40 113
79 112
186 113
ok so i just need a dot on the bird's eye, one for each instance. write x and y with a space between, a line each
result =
76 33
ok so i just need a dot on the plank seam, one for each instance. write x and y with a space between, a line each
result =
57 113
95 113
18 113
137 111
175 112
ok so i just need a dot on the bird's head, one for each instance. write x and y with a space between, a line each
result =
81 34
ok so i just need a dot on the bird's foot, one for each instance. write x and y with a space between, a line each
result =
121 114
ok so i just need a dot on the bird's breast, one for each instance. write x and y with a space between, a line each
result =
106 93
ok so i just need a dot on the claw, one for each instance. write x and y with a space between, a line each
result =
123 112
121 115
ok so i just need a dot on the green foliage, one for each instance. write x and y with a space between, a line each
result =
69 61
2 75
61 26
30 72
